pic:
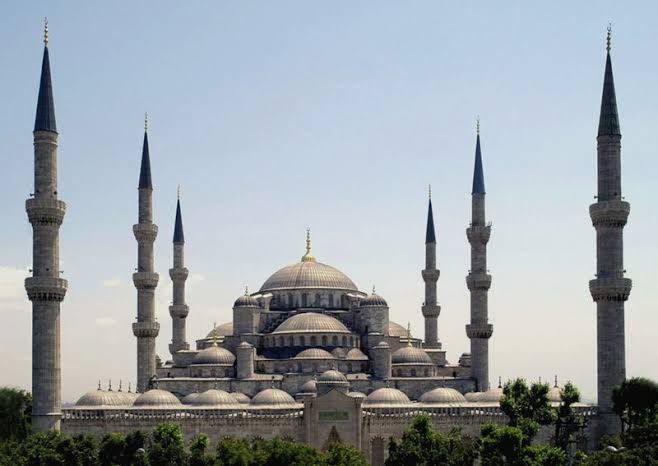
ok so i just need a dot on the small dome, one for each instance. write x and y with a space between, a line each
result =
491 396
381 345
102 398
356 394
311 322
554 394
442 395
222 330
245 301
241 398
189 399
128 397
272 397
356 354
156 397
338 353
332 376
314 353
214 397
473 397
411 355
387 396
309 387
396 330
214 355
373 300
245 344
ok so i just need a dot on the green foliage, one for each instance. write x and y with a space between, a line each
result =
568 423
421 445
277 452
198 455
111 449
235 452
638 447
522 404
340 455
167 447
502 446
635 401
50 449
15 413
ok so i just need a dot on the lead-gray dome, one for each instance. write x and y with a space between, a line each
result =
332 376
554 394
245 301
214 355
411 355
221 330
374 300
214 397
442 395
356 354
240 397
308 275
314 353
387 396
311 322
157 397
189 399
272 397
396 330
491 396
102 398
309 387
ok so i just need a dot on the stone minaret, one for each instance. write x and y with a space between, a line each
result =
178 310
145 279
44 288
431 309
478 280
610 289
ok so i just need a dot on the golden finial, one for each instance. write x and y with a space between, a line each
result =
146 121
308 257
608 38
477 125
45 32
408 333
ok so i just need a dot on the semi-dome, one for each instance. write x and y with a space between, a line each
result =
241 398
157 397
214 397
355 354
396 330
311 322
442 395
411 355
308 275
332 376
373 300
387 396
314 353
272 397
214 355
309 386
102 398
189 399
221 330
338 352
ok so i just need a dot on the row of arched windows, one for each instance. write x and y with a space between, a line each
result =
281 341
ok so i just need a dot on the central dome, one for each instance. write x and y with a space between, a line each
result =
308 275
311 322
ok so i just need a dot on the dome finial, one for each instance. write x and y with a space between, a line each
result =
555 380
178 192
109 385
120 385
146 121
45 32
308 257
500 382
430 191
608 38
99 384
214 337
129 387
477 124
373 289
408 333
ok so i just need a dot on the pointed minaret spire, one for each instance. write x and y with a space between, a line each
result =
609 118
145 170
478 171
179 237
430 236
45 118
178 273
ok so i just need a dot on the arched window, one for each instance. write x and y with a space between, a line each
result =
331 300
324 340
304 299
291 300
343 301
413 372
314 340
281 341
317 299
334 340
302 341
344 340
291 341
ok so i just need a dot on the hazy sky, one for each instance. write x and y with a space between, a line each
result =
275 116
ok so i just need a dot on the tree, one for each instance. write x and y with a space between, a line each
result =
637 446
111 449
15 413
198 455
502 446
567 423
235 452
338 454
278 452
167 447
635 401
421 445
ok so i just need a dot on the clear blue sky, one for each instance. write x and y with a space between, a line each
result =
275 116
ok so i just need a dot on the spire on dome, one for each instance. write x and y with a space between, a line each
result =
179 237
308 257
478 171
430 236
145 170
609 118
45 118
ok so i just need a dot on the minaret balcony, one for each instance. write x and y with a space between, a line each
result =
479 330
431 310
145 279
610 288
179 310
613 213
178 274
46 288
45 211
478 281
146 329
145 231
478 234
430 275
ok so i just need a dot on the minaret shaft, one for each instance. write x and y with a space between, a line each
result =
179 309
430 274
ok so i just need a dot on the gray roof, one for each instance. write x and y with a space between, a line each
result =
214 397
272 397
387 396
442 395
356 354
102 398
145 181
373 300
396 330
179 237
411 355
478 171
609 118
221 330
157 397
314 353
214 355
332 376
430 236
311 322
308 275
45 118
241 398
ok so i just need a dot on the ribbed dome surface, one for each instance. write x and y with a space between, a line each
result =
305 275
189 399
221 330
332 376
314 353
156 397
491 396
356 395
128 397
374 300
311 322
396 330
473 397
214 355
241 398
272 397
442 395
245 301
411 355
102 398
387 396
356 354
554 395
309 387
214 397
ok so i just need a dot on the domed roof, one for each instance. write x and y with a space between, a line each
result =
314 353
128 397
189 399
338 353
102 398
332 376
272 397
241 398
214 397
309 386
442 395
311 322
156 397
246 301
387 396
356 394
411 355
308 275
396 330
554 394
491 396
473 397
214 355
221 330
356 354
374 300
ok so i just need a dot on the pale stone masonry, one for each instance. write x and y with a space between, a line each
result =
146 329
610 289
478 280
45 288
178 310
430 309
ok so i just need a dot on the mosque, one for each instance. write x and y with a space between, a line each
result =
309 356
